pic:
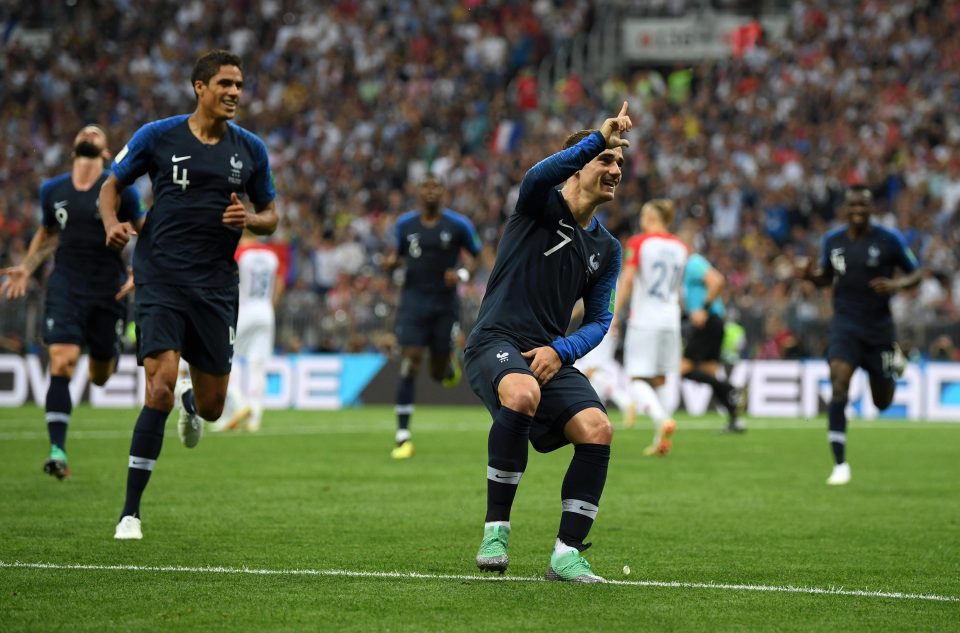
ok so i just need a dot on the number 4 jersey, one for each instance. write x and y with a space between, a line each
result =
184 241
659 259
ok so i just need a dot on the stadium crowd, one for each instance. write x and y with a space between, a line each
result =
358 99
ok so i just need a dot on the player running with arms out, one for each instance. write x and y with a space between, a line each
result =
652 273
261 285
430 242
859 261
553 253
186 276
84 291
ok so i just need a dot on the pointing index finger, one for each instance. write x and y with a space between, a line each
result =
623 110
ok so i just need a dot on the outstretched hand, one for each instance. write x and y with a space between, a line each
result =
15 282
613 128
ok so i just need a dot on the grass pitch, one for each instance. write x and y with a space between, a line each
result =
310 525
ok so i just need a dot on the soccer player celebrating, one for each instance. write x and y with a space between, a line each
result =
84 292
651 279
859 260
553 252
186 276
430 242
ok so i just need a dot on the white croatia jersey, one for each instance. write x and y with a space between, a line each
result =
659 259
258 267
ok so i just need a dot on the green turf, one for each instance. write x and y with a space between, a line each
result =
318 491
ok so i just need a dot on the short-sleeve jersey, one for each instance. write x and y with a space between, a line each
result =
259 269
854 262
659 259
546 261
695 287
184 240
83 262
429 251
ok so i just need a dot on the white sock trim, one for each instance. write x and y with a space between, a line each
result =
561 548
489 524
58 416
141 463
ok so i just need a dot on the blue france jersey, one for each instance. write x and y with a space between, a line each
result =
854 262
429 251
184 240
546 261
695 287
83 263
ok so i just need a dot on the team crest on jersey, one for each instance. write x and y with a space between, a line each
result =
837 261
445 238
873 255
235 166
594 263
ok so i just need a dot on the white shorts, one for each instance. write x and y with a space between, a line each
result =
254 336
649 352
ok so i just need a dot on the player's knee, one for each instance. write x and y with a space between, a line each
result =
522 398
883 395
100 371
591 427
159 395
209 411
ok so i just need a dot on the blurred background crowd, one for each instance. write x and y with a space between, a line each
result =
357 99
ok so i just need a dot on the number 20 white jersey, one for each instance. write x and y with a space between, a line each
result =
655 298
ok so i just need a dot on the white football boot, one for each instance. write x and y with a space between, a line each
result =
840 475
128 529
190 425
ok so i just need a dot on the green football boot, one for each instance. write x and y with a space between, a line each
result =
493 549
571 567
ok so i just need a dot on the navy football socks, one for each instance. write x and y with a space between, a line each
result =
144 451
506 461
58 406
581 490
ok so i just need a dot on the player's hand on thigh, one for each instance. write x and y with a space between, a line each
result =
545 364
235 215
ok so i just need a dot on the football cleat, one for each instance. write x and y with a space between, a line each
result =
571 567
128 529
56 464
899 362
190 425
840 475
735 425
492 555
404 451
662 446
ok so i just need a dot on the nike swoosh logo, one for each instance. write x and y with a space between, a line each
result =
566 226
177 159
138 463
59 204
587 509
504 476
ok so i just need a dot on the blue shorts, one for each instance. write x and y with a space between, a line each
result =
96 323
200 323
866 346
567 394
426 326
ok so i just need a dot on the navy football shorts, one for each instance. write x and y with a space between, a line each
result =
426 326
200 323
866 346
96 323
567 394
704 343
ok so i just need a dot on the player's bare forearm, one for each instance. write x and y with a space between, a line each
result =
624 290
264 221
910 280
109 202
41 246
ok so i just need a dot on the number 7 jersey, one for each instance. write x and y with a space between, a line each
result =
659 259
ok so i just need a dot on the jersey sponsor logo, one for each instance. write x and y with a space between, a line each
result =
177 159
564 239
503 356
837 261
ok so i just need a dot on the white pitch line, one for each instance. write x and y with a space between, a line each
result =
831 591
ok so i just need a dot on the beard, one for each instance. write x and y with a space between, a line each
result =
86 149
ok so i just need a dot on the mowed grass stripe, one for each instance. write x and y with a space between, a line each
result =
412 575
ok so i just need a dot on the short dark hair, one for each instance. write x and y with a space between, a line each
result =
576 137
209 65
